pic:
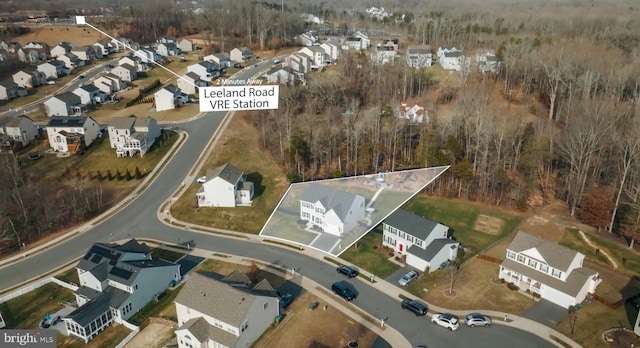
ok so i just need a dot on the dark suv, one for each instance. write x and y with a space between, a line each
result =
344 290
416 307
348 271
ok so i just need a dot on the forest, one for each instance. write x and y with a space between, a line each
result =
572 66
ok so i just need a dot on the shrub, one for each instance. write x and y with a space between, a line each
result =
512 287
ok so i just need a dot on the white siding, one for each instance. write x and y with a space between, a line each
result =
556 296
418 263
219 193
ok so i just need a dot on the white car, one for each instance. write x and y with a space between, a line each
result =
201 180
446 320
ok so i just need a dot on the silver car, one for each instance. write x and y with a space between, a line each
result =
408 278
477 319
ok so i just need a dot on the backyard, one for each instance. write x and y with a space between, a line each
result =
26 311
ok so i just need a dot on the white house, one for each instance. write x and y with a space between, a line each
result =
553 271
413 112
64 104
316 53
168 49
116 281
241 55
61 49
425 243
332 211
124 43
419 56
132 135
383 55
109 84
190 82
125 72
17 129
307 39
222 59
29 78
135 61
32 55
85 53
104 47
185 45
217 313
70 60
452 59
147 55
71 134
207 70
53 69
226 186
487 60
279 75
353 43
167 39
298 62
90 95
168 97
331 51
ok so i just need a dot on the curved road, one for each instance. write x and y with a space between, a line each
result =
139 219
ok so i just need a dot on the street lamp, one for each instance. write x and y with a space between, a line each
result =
572 322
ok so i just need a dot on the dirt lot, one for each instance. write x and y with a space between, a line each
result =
52 35
152 336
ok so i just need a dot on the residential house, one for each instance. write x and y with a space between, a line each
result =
90 95
388 45
19 129
84 53
332 211
190 82
105 48
316 53
309 18
241 55
32 55
65 104
185 45
5 55
487 61
70 133
207 70
307 39
425 243
452 59
279 75
12 46
226 186
331 52
61 49
220 313
71 61
132 135
383 55
167 49
298 62
109 84
37 44
10 90
29 78
125 72
135 61
222 59
53 69
124 43
551 270
169 97
147 55
413 112
168 39
116 281
419 56
353 43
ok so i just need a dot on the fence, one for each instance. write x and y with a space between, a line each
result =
130 336
28 288
489 258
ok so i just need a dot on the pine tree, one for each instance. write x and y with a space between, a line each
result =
138 174
109 175
127 175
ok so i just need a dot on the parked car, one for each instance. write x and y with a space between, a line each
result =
344 290
416 307
34 156
51 82
348 271
477 319
238 66
408 278
81 76
446 320
201 180
285 300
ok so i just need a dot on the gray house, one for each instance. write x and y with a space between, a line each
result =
190 82
17 129
167 49
28 78
419 56
90 95
53 69
116 281
65 104
125 72
10 90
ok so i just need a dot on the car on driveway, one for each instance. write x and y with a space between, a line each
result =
201 180
477 319
446 320
416 307
408 278
285 300
344 290
348 271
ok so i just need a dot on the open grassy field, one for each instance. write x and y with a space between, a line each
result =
239 146
26 311
52 35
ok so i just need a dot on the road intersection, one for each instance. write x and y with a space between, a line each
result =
139 218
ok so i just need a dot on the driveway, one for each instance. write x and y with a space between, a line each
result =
395 276
546 313
188 262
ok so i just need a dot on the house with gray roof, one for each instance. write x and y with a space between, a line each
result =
241 55
90 95
215 313
10 90
116 281
419 56
190 82
132 135
452 59
225 186
71 134
551 270
330 210
222 59
53 69
169 97
425 243
64 104
17 129
168 49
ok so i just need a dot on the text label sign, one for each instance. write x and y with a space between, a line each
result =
238 98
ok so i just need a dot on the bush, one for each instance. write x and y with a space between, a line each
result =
512 287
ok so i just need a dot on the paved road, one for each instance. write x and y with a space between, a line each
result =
139 220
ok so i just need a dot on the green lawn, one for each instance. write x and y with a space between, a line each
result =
169 255
369 255
26 311
69 276
573 240
108 338
163 308
461 218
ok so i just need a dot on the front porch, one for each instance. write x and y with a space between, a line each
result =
523 282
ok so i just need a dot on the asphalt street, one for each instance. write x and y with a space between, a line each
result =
139 219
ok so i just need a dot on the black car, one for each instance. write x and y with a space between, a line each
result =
348 271
344 290
34 156
416 307
285 300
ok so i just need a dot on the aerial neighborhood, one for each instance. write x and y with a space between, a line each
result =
429 172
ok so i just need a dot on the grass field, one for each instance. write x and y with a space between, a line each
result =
163 308
26 311
369 255
69 276
240 147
